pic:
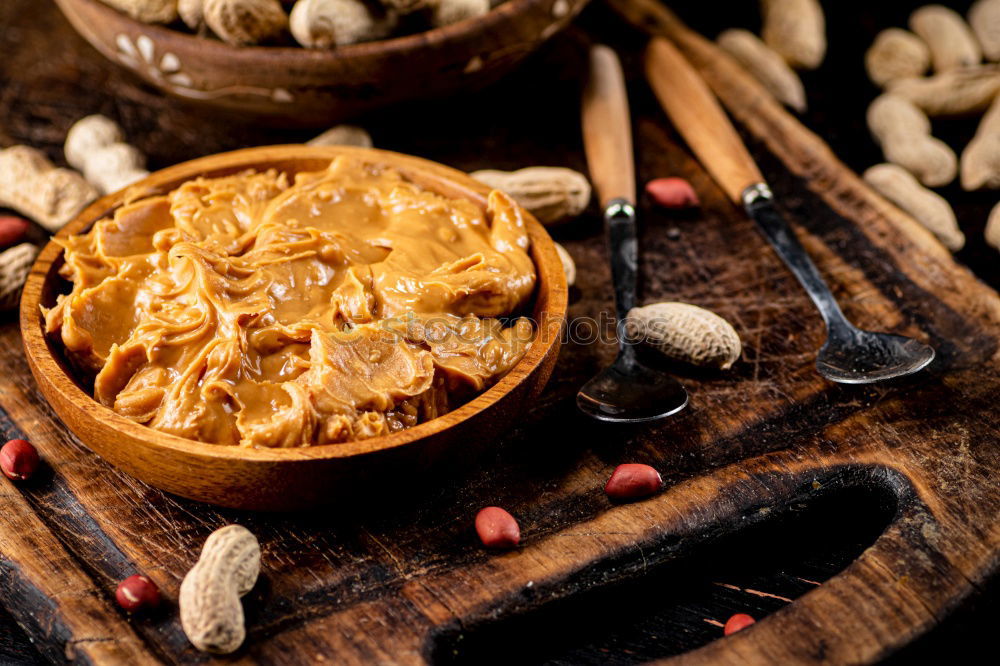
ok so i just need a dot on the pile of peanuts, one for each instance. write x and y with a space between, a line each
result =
52 196
313 24
899 119
960 84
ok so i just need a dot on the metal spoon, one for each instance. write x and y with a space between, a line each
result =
849 355
628 391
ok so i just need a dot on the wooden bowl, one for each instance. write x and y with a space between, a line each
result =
322 86
260 478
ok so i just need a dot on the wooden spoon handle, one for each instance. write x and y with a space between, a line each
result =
607 128
700 119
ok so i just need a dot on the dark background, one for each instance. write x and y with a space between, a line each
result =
49 78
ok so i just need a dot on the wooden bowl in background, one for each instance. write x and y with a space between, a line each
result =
309 87
279 479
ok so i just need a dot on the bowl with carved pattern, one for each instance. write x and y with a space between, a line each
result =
295 477
291 85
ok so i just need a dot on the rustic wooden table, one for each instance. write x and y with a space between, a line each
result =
49 78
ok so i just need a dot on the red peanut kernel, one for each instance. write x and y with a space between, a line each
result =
632 480
736 623
18 460
137 593
672 193
12 229
497 528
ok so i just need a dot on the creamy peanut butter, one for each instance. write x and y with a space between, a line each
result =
266 310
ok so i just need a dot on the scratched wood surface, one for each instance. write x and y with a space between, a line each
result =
405 582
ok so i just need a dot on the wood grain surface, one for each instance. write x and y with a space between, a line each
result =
404 581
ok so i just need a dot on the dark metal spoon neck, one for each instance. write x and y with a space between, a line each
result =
619 218
758 201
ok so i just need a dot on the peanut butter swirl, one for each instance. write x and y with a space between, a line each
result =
265 310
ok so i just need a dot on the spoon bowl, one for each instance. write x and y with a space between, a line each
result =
863 357
849 355
630 392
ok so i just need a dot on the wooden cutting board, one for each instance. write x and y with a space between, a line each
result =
402 583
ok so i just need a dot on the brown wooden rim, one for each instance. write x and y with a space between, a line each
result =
402 44
549 333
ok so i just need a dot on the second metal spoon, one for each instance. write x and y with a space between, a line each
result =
628 390
849 355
